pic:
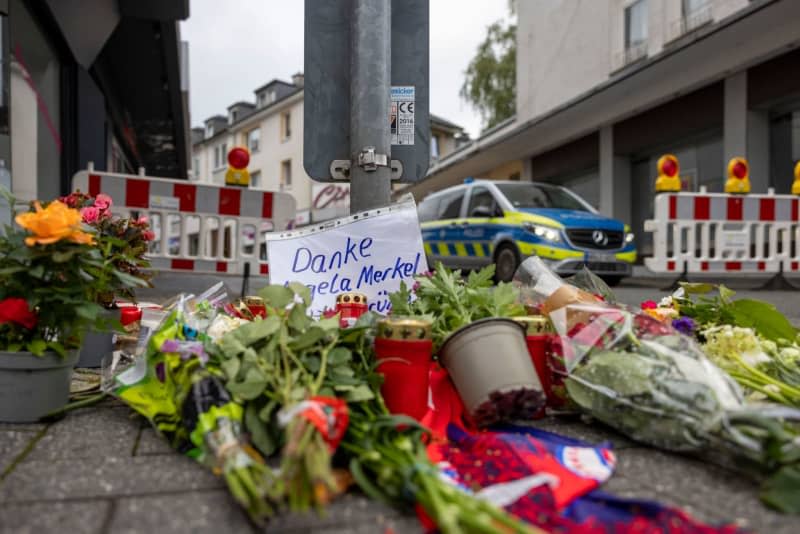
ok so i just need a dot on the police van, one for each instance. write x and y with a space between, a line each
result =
481 222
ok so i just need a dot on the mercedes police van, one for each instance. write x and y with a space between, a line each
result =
480 222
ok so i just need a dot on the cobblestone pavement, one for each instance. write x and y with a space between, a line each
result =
103 469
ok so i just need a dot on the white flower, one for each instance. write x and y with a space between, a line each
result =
666 302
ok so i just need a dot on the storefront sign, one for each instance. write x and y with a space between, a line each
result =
370 253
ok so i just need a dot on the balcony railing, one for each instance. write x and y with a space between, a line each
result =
631 54
690 22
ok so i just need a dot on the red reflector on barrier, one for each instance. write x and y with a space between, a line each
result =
186 194
94 185
137 193
186 265
734 209
702 208
733 266
264 268
222 267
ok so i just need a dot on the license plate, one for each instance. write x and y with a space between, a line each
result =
599 258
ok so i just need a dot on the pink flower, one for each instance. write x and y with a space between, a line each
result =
103 202
649 305
149 235
90 214
141 221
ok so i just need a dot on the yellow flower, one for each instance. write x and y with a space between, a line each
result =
662 314
52 224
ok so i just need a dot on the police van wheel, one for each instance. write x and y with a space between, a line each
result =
506 261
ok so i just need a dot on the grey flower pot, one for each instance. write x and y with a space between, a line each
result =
489 356
97 345
33 386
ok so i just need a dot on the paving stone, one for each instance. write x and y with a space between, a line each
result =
196 512
348 514
151 443
690 480
627 488
573 426
73 517
12 443
90 433
105 476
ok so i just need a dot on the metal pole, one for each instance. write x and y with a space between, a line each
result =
370 85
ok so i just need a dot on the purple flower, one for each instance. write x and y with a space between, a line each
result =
684 325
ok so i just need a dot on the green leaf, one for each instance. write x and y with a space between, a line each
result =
763 317
37 272
339 356
308 339
63 256
726 294
251 333
231 367
298 320
302 291
276 296
781 492
696 288
230 344
259 431
37 346
360 394
251 387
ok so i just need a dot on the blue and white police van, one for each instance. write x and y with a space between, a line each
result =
480 222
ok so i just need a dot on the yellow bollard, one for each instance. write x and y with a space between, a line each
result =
668 174
738 177
796 184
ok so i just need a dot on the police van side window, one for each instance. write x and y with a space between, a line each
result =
482 199
428 209
450 207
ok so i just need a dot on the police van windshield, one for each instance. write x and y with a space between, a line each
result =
524 196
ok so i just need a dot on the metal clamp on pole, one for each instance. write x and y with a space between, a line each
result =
370 161
340 169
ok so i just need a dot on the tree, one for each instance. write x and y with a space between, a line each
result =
490 82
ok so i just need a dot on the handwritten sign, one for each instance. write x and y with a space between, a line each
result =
370 253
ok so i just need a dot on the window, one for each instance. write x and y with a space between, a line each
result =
531 196
435 146
481 197
286 174
262 100
450 207
428 209
220 153
209 130
271 96
690 7
636 24
254 140
286 125
233 116
255 179
196 167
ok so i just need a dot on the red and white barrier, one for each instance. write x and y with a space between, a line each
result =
724 233
198 227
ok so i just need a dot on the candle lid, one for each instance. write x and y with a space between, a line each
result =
535 324
404 328
351 297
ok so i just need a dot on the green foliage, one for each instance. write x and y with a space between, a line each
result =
490 82
721 309
450 302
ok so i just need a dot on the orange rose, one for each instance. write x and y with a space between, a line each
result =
52 224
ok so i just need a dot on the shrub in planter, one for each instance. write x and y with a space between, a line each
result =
50 272
484 352
123 243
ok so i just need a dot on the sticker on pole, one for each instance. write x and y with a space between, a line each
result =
370 252
402 114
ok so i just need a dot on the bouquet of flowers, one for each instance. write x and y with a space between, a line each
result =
643 377
122 241
50 270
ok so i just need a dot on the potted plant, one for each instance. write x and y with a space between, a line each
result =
122 242
49 274
480 346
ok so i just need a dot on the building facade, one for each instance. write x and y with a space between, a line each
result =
112 91
605 87
271 128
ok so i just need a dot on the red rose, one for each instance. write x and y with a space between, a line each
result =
649 305
15 310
